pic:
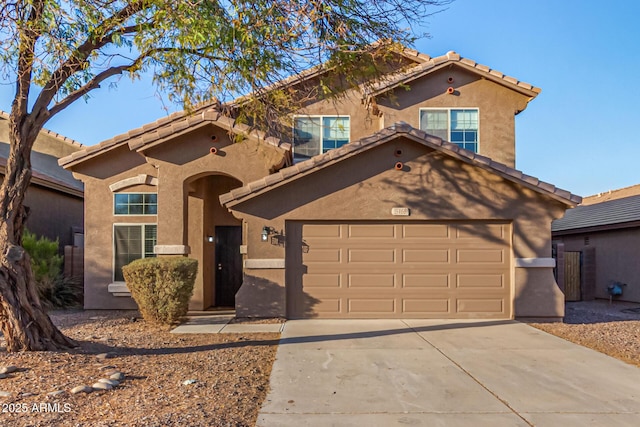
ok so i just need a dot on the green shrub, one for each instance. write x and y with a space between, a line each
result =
54 290
45 260
161 287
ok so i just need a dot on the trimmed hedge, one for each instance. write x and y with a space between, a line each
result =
162 287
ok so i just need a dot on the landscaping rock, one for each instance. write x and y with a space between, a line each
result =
104 356
108 381
101 386
56 393
5 394
81 389
118 376
187 382
8 369
3 376
105 367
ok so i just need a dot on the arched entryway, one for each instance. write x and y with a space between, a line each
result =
214 237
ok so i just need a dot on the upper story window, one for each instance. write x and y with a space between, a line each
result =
135 204
459 126
313 135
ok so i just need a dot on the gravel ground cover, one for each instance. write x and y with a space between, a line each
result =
612 329
169 380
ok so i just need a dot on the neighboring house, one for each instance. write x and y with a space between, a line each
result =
604 235
348 215
54 197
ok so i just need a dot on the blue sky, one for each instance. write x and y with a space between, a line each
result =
583 54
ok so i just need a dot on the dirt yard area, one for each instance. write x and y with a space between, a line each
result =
613 329
169 380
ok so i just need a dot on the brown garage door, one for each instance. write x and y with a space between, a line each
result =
398 270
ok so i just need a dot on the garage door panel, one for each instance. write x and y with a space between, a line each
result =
322 231
480 280
395 270
322 255
371 231
426 256
373 306
426 306
328 306
372 255
371 280
482 232
478 305
321 280
480 256
426 231
425 280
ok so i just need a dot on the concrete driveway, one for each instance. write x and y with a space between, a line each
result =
443 373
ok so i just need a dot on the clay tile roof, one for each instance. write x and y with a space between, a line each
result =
452 57
399 129
157 132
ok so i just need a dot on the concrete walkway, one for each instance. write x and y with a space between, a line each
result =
219 324
443 373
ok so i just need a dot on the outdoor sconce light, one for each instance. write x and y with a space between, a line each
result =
265 234
210 239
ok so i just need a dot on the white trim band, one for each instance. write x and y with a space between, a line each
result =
171 250
142 179
119 289
535 262
264 263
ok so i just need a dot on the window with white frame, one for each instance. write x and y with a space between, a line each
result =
313 135
131 242
135 204
459 126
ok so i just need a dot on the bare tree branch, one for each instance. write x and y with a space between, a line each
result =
78 57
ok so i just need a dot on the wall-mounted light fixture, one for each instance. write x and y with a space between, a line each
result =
210 239
265 234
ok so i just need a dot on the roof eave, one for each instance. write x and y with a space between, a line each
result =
596 228
288 175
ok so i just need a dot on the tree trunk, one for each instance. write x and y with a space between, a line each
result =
23 321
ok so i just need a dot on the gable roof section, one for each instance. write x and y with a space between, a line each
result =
633 190
46 172
619 213
433 64
168 127
4 115
331 157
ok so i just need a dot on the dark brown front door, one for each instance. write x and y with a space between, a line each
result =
228 264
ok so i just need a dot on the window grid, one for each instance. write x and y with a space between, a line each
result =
459 126
135 204
313 135
132 242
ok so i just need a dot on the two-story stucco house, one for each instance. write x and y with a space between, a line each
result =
363 210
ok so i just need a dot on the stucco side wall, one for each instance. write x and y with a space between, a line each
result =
616 253
434 187
53 214
497 107
99 220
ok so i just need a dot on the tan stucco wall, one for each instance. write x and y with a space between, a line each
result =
45 143
497 106
616 254
434 186
182 220
53 214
